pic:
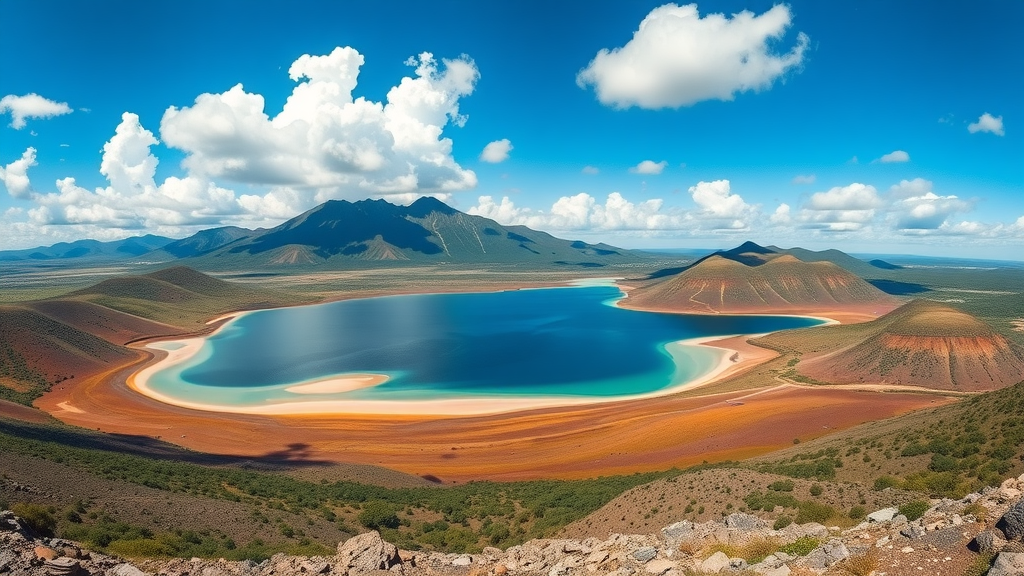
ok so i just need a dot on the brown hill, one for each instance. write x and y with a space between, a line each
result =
111 325
924 343
782 283
36 350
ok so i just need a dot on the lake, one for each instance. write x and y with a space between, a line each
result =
554 342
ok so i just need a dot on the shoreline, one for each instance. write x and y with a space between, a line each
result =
731 361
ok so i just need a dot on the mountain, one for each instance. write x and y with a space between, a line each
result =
840 258
770 282
206 241
923 343
91 249
753 254
339 232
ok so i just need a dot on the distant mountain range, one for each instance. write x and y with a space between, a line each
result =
89 249
340 233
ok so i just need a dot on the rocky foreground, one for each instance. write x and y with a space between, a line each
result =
947 539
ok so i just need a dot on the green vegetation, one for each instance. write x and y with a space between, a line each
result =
803 546
914 510
18 382
461 518
39 518
819 465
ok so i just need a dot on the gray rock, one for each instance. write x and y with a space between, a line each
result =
779 571
1007 564
1012 523
738 564
7 559
463 560
883 515
986 541
741 521
125 569
826 555
715 564
912 531
678 531
645 554
366 552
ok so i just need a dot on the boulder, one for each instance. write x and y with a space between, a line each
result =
826 555
912 531
715 564
366 552
986 541
747 522
63 567
45 553
1007 564
883 515
645 554
1012 523
779 571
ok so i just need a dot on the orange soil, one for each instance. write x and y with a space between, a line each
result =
570 442
565 442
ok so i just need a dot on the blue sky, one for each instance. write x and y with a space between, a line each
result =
765 122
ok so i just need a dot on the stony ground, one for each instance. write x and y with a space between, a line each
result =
984 531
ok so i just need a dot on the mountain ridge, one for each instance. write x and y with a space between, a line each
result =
751 278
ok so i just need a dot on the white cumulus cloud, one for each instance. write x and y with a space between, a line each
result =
15 175
649 167
917 207
987 123
582 212
720 207
133 199
781 216
677 58
30 106
895 156
496 151
841 209
325 140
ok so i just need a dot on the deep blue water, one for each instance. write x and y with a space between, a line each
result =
554 342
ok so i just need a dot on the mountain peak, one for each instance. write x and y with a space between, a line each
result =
424 205
750 247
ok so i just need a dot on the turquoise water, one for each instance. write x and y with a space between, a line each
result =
557 342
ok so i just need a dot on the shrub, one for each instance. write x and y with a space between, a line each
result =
377 514
857 512
914 510
883 482
39 518
814 512
816 490
781 486
803 546
781 522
